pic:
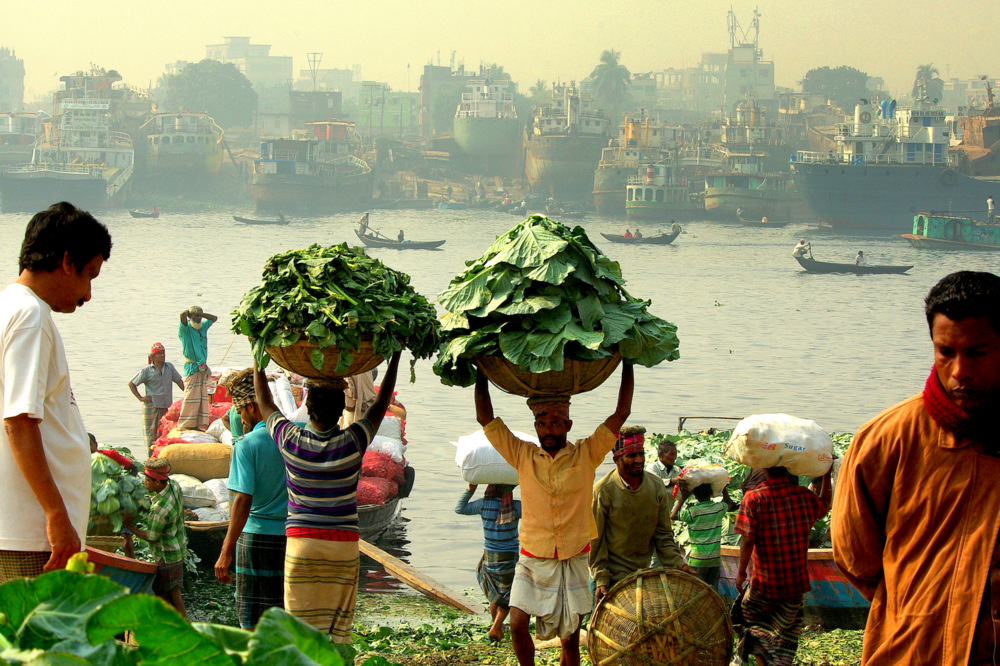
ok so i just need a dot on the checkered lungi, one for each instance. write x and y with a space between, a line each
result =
169 577
556 592
260 576
194 407
772 627
21 564
321 584
151 424
495 574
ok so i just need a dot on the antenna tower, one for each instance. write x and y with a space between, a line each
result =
740 37
314 60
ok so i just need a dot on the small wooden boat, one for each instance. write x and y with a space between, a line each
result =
246 220
832 602
660 239
141 213
373 241
813 266
770 224
375 519
137 576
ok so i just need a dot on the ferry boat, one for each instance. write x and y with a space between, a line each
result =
563 145
939 231
18 132
314 174
183 146
890 163
659 193
486 127
639 142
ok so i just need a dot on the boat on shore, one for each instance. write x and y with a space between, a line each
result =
813 266
486 127
659 239
942 231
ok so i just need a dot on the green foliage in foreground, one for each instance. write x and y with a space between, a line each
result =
69 618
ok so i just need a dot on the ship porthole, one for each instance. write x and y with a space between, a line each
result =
843 171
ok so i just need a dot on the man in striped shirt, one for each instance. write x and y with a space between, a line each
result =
322 467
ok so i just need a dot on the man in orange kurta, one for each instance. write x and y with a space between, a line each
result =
916 513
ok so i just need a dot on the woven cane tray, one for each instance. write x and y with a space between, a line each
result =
296 358
657 617
575 377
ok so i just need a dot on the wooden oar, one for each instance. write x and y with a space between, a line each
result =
420 582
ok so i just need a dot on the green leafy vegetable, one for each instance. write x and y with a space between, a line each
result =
332 297
540 294
114 492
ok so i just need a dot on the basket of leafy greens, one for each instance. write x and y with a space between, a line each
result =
330 312
544 312
114 492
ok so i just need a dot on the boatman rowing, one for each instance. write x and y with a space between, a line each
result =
552 580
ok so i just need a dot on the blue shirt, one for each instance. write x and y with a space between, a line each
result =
159 383
257 470
194 344
497 538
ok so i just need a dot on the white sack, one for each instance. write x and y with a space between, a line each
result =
391 427
481 464
216 429
196 494
219 488
393 447
780 440
694 475
211 514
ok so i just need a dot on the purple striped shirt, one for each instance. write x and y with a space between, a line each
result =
321 472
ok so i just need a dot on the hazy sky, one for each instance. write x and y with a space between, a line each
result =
532 38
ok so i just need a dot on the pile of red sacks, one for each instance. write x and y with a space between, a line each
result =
169 422
380 478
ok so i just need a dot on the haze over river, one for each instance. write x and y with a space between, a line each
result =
757 334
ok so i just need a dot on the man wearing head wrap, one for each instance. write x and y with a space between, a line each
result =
632 512
193 332
259 506
159 378
500 513
164 531
551 581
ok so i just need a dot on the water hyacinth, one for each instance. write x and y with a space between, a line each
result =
540 294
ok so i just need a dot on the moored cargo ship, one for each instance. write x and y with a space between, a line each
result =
182 146
563 145
486 127
315 174
639 142
659 193
18 132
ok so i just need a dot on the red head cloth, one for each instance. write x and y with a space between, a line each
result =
156 349
160 472
626 444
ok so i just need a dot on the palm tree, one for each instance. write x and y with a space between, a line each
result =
612 80
933 86
539 90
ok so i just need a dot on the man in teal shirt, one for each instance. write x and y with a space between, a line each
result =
193 333
257 512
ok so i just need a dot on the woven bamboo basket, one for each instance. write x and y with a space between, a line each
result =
657 617
575 377
296 358
108 544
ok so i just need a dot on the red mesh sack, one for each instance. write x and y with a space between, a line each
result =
380 465
174 412
374 490
218 410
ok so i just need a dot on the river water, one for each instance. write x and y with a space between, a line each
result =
757 334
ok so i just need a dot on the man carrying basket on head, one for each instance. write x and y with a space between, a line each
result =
557 524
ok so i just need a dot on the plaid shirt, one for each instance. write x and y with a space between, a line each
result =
165 525
778 517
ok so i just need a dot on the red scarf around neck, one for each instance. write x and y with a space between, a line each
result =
943 410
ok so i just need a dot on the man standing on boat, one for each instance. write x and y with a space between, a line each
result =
44 447
917 510
256 534
990 210
159 378
552 580
193 333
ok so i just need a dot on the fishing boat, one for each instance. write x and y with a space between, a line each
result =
141 213
941 231
832 601
319 174
563 145
813 266
763 222
247 220
659 239
370 240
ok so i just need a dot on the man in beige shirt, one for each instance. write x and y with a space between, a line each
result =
557 524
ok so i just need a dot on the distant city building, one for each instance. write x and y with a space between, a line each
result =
382 110
346 81
441 89
746 71
271 76
11 81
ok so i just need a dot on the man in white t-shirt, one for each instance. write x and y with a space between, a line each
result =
44 448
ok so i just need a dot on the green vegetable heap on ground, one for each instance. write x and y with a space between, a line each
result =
114 492
543 293
332 297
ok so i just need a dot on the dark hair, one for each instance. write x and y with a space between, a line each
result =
60 229
665 445
703 492
965 294
325 402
